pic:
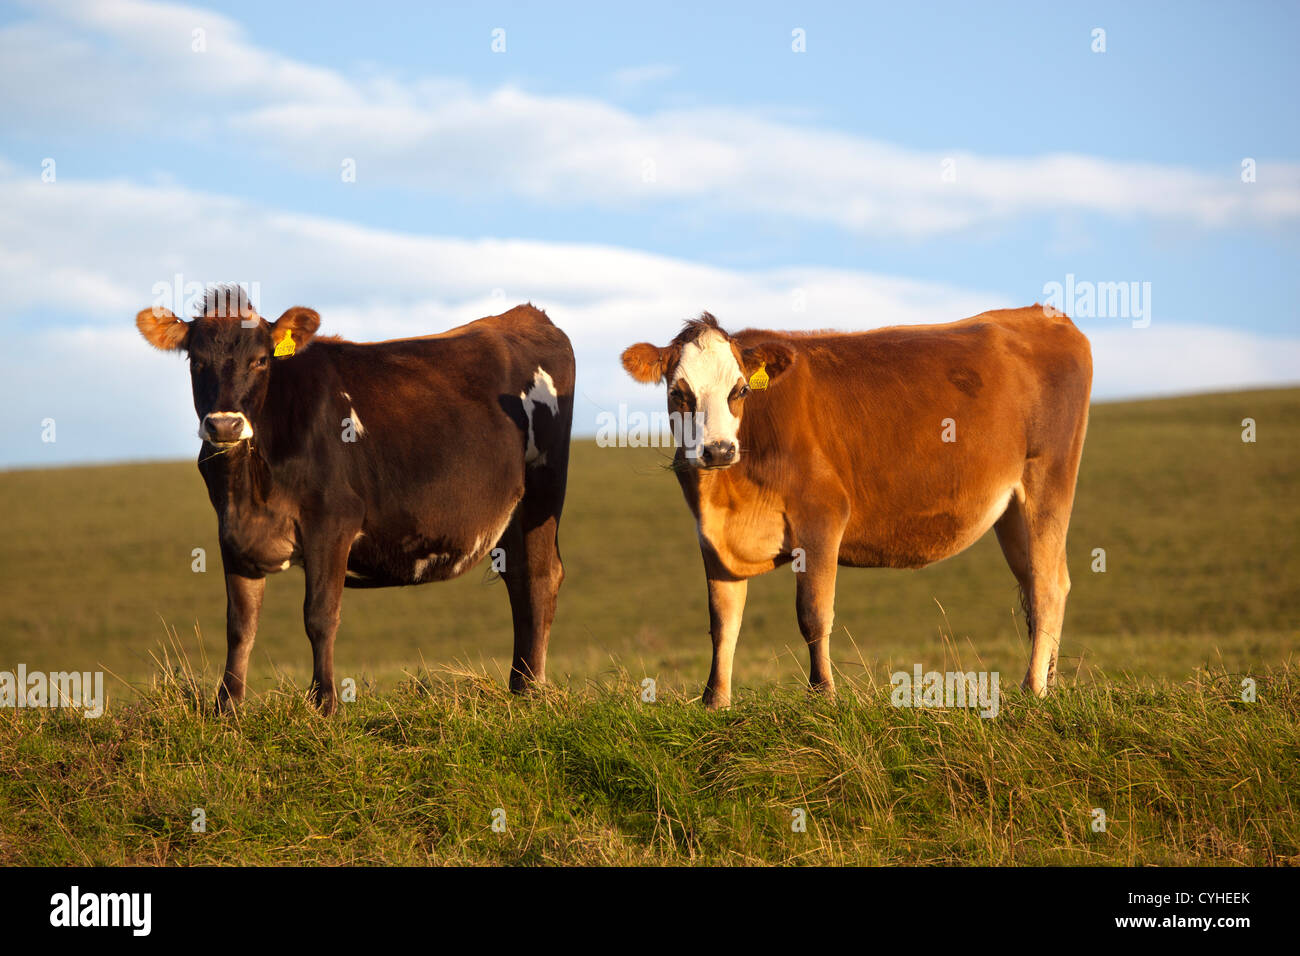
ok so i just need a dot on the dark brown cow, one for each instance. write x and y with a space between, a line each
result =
376 465
892 448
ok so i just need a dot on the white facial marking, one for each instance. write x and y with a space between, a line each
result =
542 390
709 367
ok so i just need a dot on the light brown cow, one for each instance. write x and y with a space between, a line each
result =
893 448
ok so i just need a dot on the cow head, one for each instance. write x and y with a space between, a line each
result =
709 376
231 349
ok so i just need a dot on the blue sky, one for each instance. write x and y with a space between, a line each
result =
626 166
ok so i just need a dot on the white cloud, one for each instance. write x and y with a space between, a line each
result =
1175 359
635 78
129 62
77 260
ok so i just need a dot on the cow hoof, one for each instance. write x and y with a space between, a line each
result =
714 701
226 704
1037 691
826 689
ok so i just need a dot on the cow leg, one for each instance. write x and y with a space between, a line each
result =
815 606
326 567
1046 519
243 608
1013 536
726 608
534 570
1048 591
533 575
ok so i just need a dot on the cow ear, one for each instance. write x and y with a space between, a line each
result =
646 363
773 358
297 325
162 329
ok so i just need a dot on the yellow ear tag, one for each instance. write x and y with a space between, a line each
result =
758 381
285 346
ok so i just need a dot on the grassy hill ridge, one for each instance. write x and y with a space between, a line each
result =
1178 774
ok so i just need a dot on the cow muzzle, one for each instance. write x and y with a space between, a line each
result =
225 428
718 454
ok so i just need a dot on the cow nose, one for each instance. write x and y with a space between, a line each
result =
223 426
718 453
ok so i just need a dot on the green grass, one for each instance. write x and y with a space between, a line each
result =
1200 589
1186 774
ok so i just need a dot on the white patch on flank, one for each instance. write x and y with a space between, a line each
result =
483 542
709 367
285 566
423 564
352 414
467 558
542 390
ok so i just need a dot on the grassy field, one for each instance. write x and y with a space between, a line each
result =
1185 774
1200 588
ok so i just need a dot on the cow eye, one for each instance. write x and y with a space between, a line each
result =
197 365
742 391
259 362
